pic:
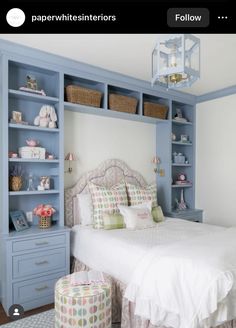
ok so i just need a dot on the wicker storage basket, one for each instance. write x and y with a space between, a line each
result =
83 96
122 103
155 110
45 222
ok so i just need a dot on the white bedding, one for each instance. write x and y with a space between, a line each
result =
187 284
118 252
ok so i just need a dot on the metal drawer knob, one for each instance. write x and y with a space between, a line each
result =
41 263
42 243
39 289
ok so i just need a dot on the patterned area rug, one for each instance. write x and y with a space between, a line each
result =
41 320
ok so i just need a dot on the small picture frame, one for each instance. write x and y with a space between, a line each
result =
19 220
16 116
184 138
45 182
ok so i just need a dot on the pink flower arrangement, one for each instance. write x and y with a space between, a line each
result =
44 210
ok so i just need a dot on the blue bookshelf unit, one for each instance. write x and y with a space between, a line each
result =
34 258
22 278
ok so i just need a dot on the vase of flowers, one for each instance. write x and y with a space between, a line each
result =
45 213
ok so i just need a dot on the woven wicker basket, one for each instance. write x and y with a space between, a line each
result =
45 222
155 110
83 96
122 103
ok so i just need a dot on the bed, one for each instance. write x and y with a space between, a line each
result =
118 253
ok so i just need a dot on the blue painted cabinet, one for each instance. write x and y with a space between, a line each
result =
33 264
31 259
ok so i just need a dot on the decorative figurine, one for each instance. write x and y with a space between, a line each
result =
31 82
179 116
182 179
30 183
181 205
32 86
184 138
32 142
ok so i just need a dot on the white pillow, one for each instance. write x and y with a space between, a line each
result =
143 205
85 209
138 216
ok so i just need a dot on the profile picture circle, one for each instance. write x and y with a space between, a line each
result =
15 17
16 311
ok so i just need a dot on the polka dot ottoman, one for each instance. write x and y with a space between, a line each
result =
82 306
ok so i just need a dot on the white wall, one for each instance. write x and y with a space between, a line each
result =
94 139
216 160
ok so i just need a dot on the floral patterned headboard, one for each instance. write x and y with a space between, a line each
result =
107 174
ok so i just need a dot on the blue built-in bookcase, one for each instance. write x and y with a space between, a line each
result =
33 259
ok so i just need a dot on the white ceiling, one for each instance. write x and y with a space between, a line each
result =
131 54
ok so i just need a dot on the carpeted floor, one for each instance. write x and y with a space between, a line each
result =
41 320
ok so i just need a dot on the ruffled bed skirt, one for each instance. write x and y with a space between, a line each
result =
122 309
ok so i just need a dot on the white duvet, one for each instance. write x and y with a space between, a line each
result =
118 252
188 283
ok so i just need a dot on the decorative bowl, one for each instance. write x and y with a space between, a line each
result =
32 142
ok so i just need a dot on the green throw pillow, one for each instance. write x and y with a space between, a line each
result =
157 214
113 221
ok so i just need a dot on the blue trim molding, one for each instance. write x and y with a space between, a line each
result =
216 94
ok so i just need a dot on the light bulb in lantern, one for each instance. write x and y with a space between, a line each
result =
173 57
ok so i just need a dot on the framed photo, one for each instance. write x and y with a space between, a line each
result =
16 116
184 138
19 220
45 182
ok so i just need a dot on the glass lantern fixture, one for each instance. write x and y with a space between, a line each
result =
176 60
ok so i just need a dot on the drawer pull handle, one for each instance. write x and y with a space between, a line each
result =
41 263
39 289
42 243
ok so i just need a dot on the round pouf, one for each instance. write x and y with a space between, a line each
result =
83 305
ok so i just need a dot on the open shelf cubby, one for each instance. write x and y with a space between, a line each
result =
28 201
186 110
85 83
156 100
124 92
47 80
30 109
47 140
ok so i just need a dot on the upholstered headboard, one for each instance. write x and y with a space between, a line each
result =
107 174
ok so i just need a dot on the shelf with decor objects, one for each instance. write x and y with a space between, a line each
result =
35 113
182 197
33 157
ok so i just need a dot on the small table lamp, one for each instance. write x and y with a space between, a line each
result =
70 157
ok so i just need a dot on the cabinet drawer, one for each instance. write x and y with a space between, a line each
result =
35 289
38 243
34 263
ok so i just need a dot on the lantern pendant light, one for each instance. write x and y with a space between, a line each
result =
176 60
